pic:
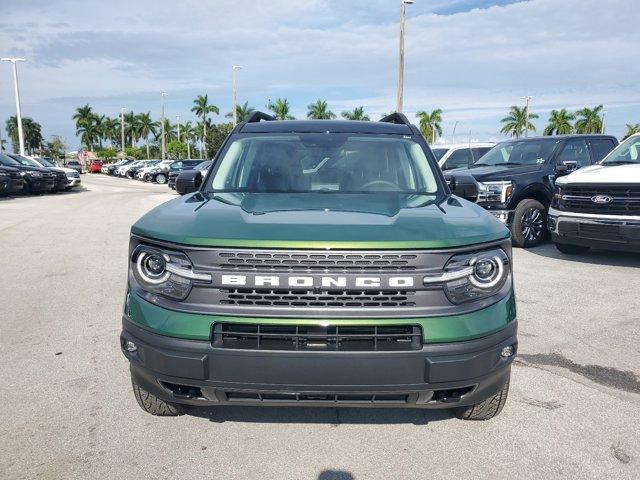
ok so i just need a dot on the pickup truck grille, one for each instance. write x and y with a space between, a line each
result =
309 298
625 199
315 261
313 338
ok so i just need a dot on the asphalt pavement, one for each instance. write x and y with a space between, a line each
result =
68 410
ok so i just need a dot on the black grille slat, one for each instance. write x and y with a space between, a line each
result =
329 298
306 262
625 199
314 338
328 398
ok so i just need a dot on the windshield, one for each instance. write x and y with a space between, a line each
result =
46 162
26 161
7 160
523 152
203 166
627 152
319 162
439 152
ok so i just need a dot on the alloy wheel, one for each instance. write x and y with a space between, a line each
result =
532 224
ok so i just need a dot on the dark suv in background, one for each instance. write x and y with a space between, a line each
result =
179 166
36 180
10 180
515 179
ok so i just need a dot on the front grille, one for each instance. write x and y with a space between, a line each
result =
310 298
329 398
594 231
577 198
316 261
361 338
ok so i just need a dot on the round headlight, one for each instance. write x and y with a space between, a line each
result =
152 267
487 271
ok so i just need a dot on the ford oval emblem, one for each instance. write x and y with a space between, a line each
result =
601 199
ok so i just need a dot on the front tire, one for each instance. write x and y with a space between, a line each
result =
569 249
161 178
487 409
529 228
153 405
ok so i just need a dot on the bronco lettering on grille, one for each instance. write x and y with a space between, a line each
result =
315 281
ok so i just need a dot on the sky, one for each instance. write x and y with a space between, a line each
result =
471 58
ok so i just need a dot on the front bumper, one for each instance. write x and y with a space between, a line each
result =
598 231
442 375
505 216
73 182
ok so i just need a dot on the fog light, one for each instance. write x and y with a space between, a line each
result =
130 347
507 351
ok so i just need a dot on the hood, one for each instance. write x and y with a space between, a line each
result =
604 174
496 172
273 220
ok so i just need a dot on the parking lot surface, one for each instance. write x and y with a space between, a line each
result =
573 410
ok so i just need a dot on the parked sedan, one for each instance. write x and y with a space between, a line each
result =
72 176
95 166
159 173
36 179
111 169
141 171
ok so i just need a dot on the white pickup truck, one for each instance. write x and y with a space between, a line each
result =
599 206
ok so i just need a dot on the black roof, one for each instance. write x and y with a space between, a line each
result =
559 137
322 126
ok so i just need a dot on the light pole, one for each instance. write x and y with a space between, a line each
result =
604 114
122 110
16 91
400 93
235 94
164 147
178 123
454 131
527 99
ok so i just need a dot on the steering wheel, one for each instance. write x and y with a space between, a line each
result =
382 183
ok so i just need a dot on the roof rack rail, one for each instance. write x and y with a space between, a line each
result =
257 116
396 117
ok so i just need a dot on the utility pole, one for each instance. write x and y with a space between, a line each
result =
400 93
178 123
604 114
16 92
122 110
162 140
235 94
454 132
526 115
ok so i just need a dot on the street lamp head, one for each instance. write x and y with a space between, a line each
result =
237 67
12 59
408 2
163 94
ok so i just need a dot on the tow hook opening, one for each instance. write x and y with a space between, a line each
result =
450 396
183 391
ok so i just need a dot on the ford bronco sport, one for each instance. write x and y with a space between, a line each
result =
320 263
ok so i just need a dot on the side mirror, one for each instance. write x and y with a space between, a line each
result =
188 181
566 167
464 186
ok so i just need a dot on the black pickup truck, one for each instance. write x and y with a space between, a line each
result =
515 180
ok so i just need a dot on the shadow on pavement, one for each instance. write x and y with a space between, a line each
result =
335 475
597 257
319 415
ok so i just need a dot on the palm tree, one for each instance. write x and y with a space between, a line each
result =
131 128
559 122
243 112
319 111
589 120
111 129
31 130
147 127
202 108
430 124
280 109
356 114
631 130
187 132
514 123
85 125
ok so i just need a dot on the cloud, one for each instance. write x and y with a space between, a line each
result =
473 58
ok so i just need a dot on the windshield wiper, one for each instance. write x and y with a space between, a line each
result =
494 164
620 162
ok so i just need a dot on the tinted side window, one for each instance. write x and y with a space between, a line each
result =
479 152
575 151
601 147
459 158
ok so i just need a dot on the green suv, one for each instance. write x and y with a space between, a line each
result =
320 263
